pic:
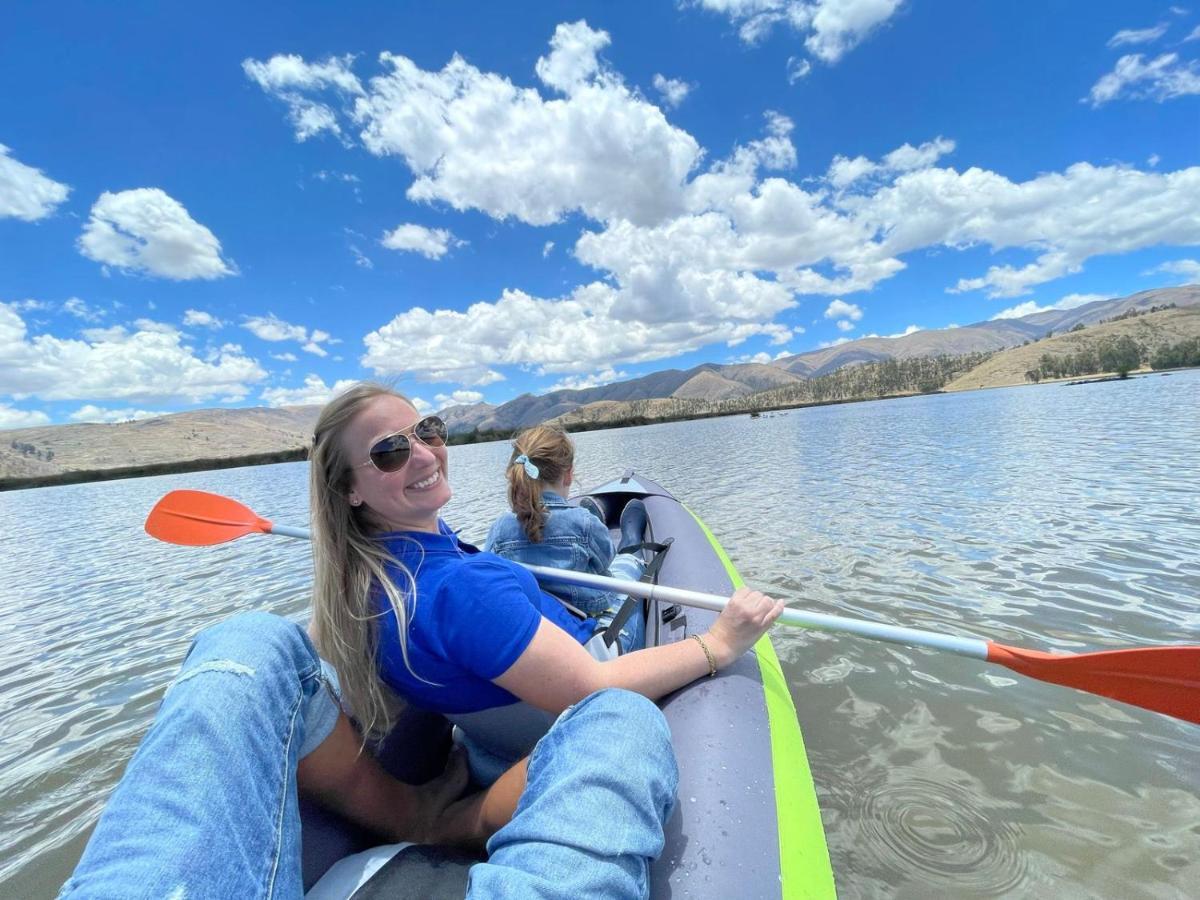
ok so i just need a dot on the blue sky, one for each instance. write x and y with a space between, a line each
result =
249 204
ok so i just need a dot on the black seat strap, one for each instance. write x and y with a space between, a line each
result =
649 575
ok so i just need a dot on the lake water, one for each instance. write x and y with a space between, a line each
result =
1051 517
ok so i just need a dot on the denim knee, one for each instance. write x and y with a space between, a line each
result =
263 647
634 724
259 639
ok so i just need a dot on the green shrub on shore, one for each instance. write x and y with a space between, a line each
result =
1177 356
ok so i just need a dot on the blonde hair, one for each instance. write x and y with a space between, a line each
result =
548 448
349 565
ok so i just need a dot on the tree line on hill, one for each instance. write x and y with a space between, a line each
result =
1120 355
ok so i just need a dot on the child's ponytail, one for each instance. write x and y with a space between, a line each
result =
541 456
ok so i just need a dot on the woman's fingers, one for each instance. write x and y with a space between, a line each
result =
745 618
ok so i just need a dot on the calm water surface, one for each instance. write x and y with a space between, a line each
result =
1052 517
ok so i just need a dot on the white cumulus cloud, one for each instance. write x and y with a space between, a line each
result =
314 392
1188 268
151 365
831 27
274 329
91 413
582 382
574 334
474 140
25 193
145 230
11 417
288 77
198 318
1029 307
432 243
840 309
572 60
673 90
459 398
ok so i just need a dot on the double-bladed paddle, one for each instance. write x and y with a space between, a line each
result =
1162 679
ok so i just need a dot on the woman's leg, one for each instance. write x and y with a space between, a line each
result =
601 786
628 566
208 806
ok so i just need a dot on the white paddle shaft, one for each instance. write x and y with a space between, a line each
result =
895 634
913 637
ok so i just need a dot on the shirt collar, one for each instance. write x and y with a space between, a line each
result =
445 541
551 499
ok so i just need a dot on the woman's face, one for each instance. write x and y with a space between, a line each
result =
407 500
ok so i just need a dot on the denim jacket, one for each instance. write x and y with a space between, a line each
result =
572 538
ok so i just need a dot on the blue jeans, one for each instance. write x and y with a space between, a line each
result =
633 633
208 805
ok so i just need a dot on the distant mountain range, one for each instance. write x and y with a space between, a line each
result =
710 381
32 454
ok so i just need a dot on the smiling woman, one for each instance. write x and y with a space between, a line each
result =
402 607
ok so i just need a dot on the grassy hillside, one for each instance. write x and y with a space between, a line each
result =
212 434
1151 330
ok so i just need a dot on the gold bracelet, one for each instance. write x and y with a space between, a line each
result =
712 660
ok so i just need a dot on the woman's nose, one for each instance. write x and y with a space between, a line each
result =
422 450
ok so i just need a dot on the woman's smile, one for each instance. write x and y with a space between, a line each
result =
426 483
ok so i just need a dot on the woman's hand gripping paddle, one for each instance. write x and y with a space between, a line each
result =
1163 679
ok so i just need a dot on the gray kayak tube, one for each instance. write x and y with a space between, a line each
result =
746 822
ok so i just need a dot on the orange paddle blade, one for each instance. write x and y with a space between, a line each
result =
199 519
1162 679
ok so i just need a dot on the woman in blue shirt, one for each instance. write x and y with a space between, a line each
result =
402 607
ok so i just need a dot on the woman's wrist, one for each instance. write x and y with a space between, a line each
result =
722 653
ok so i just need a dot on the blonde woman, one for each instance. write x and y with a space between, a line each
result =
543 529
401 607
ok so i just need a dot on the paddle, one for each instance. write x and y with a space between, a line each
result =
1162 679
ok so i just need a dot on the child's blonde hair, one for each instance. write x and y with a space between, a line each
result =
551 451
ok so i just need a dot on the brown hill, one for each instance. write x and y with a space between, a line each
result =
180 438
997 334
1150 330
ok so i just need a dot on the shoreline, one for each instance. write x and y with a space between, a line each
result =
83 476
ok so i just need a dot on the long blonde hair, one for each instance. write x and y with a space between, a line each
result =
349 564
548 448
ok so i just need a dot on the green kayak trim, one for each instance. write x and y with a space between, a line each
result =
804 868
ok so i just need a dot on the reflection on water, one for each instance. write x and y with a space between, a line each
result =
1054 517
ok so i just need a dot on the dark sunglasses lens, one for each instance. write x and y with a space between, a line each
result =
390 454
431 430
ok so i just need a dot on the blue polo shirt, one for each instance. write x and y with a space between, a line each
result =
473 616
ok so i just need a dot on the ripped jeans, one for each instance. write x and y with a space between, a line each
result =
208 806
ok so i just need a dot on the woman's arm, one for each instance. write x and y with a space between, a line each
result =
554 671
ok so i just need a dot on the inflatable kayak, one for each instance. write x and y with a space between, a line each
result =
746 822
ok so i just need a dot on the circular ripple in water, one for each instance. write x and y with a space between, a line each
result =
935 832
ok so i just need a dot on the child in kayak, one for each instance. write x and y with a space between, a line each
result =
544 530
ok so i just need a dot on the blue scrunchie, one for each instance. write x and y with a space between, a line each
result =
530 469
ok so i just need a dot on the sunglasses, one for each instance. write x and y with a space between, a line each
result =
391 453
